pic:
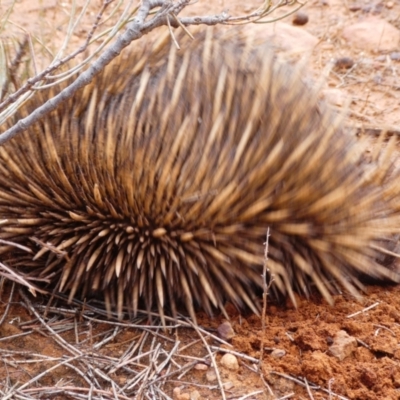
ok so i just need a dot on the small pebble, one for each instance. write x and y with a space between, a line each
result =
230 361
195 395
343 345
344 63
176 393
278 353
300 18
201 367
378 79
211 376
225 331
228 385
335 97
389 5
395 56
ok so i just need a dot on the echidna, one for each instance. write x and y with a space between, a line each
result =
157 184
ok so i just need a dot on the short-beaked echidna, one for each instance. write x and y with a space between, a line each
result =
156 184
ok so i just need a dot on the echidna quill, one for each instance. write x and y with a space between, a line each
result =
156 185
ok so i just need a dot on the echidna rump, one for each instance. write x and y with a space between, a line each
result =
156 185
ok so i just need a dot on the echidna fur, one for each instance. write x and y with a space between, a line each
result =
155 186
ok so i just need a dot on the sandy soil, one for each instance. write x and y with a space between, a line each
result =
303 367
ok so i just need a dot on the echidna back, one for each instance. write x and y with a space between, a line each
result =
157 184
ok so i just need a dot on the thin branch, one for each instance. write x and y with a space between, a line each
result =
136 29
4 316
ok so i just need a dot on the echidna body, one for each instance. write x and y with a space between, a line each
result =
157 184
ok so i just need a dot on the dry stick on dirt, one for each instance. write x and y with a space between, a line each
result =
304 383
4 316
250 395
148 379
71 390
212 357
265 293
379 328
150 383
92 364
65 345
266 287
11 393
287 396
330 387
308 389
13 276
236 353
364 310
12 337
